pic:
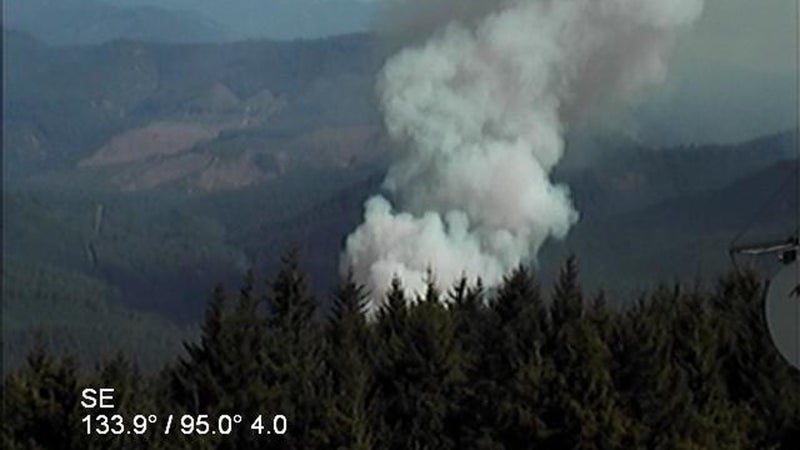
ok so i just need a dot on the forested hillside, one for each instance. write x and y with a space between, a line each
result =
152 171
525 366
173 109
161 250
189 209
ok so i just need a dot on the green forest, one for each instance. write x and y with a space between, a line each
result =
516 366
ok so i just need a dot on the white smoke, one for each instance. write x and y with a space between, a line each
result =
480 109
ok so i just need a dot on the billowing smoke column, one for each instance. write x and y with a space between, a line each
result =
480 109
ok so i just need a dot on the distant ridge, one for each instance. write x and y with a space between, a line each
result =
75 22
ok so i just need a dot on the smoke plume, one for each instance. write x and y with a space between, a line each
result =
479 109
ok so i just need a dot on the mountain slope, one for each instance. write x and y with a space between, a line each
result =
76 22
686 236
64 106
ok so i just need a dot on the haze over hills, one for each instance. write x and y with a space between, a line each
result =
259 19
94 106
140 174
208 225
71 22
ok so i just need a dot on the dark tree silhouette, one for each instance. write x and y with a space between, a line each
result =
463 368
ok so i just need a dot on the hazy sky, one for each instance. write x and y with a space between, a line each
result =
277 19
731 76
749 32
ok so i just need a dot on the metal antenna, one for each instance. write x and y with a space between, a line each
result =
786 249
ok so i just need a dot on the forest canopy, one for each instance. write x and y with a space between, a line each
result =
520 366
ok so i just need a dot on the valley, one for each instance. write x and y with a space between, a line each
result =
139 175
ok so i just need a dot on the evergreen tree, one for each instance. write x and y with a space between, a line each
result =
520 319
475 412
349 323
679 369
390 343
393 312
419 373
295 354
567 305
471 315
129 399
41 404
223 373
582 409
198 379
350 408
602 318
652 390
756 377
291 306
513 370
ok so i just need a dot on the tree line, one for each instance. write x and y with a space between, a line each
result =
461 367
